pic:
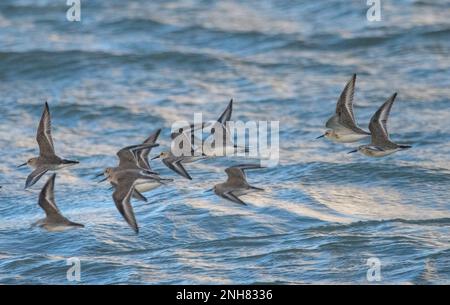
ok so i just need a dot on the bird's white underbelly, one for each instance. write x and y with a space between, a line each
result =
55 167
146 185
378 153
347 136
56 227
243 192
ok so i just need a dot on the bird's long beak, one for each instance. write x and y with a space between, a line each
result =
353 151
98 175
149 172
22 165
104 179
156 157
210 190
320 136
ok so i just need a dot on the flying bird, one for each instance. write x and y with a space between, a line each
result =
47 159
54 220
126 182
142 155
175 163
381 145
342 126
220 142
129 159
236 184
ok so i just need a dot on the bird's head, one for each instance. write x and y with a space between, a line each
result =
162 155
329 134
30 162
108 172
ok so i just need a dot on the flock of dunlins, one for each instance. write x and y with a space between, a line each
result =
342 126
133 176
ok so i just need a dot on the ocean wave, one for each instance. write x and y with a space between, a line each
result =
47 64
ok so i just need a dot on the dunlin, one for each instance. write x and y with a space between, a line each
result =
129 158
342 125
47 159
236 184
126 182
176 163
54 221
381 145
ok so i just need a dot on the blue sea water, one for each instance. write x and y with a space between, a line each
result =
130 67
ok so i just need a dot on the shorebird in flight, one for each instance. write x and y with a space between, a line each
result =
236 184
209 147
342 126
47 160
126 182
54 221
219 142
381 145
176 163
130 158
